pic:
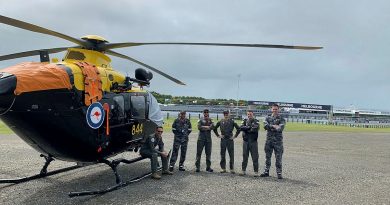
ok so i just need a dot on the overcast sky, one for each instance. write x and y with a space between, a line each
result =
352 69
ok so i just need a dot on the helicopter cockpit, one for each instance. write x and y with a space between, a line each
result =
134 105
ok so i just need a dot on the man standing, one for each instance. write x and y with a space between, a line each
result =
274 124
250 129
205 125
181 128
153 147
227 125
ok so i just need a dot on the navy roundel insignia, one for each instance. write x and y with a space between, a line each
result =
95 115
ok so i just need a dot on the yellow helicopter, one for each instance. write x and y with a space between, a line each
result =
80 109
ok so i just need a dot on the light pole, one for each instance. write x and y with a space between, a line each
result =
238 88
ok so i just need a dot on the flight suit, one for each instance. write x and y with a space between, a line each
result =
274 142
152 148
227 126
250 129
204 141
181 129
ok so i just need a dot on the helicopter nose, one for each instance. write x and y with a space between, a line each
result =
7 88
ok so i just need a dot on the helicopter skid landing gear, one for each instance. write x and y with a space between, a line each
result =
42 174
119 183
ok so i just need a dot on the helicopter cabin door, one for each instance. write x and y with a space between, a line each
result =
137 115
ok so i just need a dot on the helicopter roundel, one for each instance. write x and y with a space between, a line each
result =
95 115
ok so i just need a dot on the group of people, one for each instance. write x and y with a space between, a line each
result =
181 127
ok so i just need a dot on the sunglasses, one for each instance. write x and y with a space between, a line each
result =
160 131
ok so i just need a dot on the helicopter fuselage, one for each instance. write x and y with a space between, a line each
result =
52 116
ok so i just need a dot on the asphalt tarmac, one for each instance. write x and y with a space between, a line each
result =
319 168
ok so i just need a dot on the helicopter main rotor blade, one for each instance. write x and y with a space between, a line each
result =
130 44
32 53
38 29
145 65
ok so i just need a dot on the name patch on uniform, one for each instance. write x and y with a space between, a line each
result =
95 115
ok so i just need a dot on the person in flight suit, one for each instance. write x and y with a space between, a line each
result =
205 125
274 124
153 147
250 129
181 128
227 125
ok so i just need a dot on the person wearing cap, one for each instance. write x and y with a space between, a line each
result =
154 147
227 126
250 133
205 125
181 128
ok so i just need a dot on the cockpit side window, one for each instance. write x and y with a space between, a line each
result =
138 107
154 111
119 106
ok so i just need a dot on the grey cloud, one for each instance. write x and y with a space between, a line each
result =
351 69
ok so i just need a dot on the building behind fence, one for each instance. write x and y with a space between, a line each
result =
293 112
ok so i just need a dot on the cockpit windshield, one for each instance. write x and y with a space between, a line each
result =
154 111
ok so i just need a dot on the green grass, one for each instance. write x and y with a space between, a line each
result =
299 127
290 127
295 127
4 128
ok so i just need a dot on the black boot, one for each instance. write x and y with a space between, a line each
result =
181 168
280 176
209 169
264 174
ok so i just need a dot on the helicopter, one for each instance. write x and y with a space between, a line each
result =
81 109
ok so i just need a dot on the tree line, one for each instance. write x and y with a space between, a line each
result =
192 100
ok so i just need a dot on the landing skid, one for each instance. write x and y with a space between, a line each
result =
113 164
43 173
119 183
